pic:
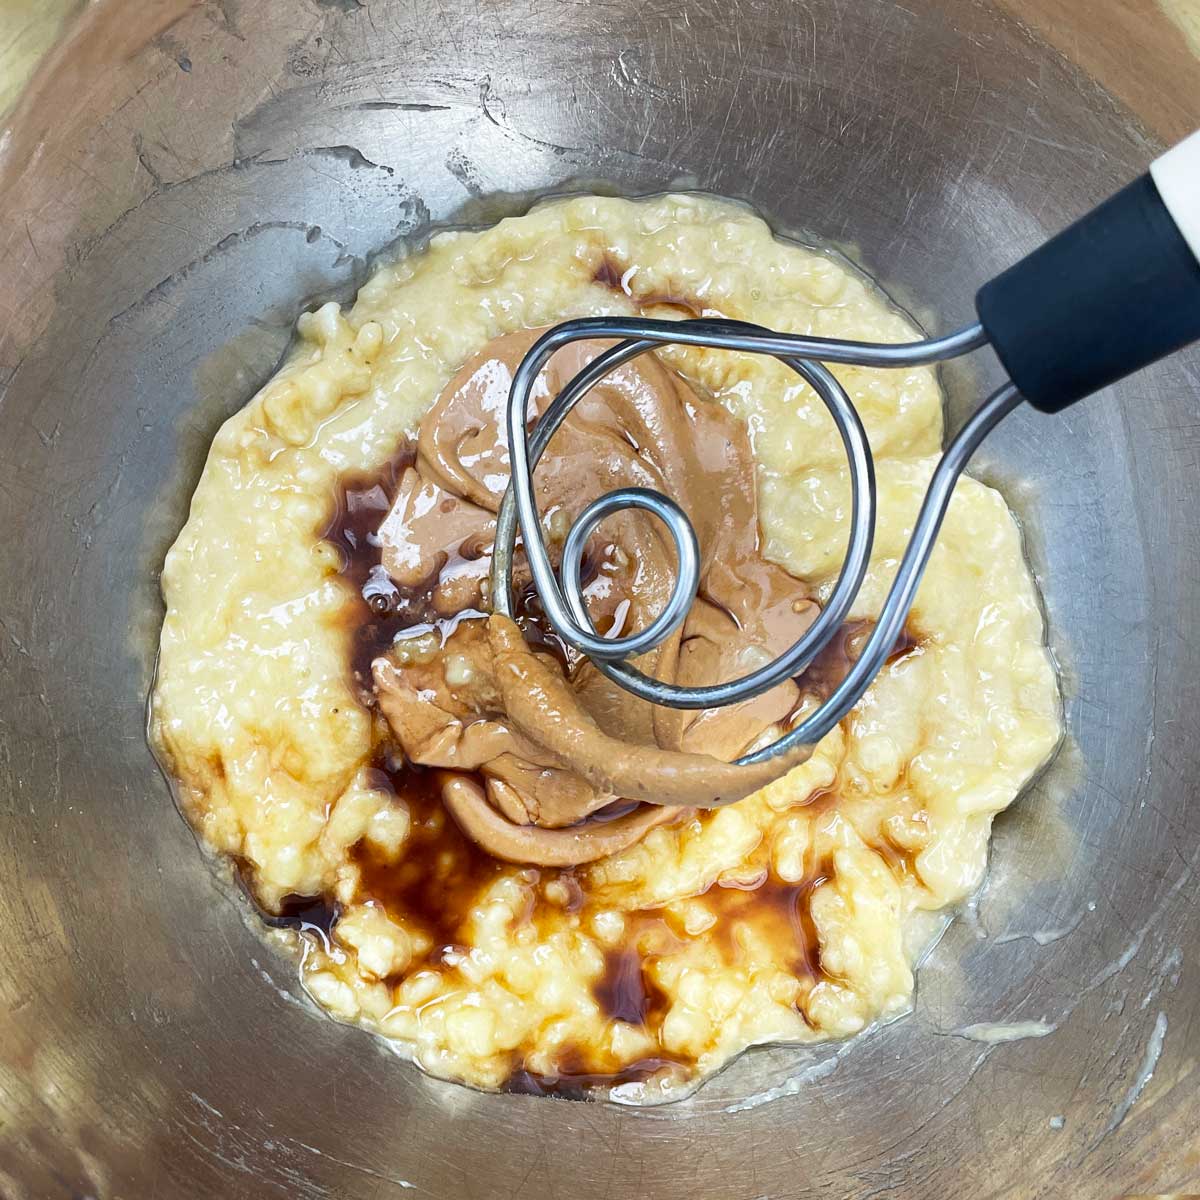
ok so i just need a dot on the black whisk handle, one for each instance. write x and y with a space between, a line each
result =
1109 295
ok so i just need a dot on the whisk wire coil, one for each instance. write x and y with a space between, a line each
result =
562 596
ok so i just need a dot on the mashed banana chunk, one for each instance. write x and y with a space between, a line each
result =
784 917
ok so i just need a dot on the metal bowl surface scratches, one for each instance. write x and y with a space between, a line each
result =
175 187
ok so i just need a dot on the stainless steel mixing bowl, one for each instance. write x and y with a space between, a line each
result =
175 188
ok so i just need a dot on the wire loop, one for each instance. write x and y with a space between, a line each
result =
562 598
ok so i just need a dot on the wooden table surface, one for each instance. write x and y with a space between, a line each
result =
1146 52
27 30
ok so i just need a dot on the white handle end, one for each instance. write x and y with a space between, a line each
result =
1177 176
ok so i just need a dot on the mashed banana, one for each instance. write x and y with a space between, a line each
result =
785 917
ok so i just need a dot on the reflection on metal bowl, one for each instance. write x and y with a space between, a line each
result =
176 188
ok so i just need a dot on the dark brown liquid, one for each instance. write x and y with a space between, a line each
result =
610 273
381 610
841 652
362 500
536 629
312 914
625 991
574 1082
531 619
442 873
779 911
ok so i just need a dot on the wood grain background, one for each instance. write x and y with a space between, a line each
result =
1145 52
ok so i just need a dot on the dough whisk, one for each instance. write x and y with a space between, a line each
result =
1112 293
